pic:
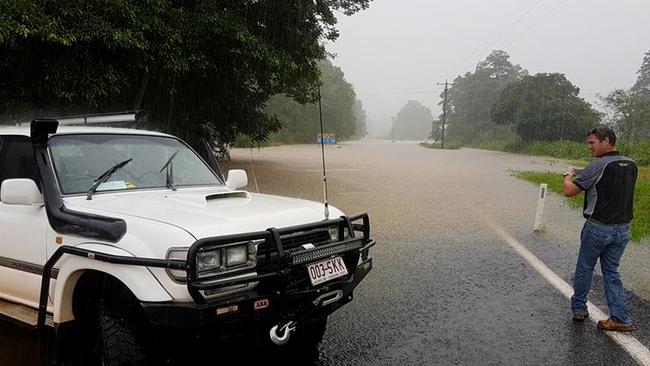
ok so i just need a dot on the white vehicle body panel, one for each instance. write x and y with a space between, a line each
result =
188 209
22 230
138 279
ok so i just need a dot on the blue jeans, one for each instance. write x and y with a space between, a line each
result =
606 242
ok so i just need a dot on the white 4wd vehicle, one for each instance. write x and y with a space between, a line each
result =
116 230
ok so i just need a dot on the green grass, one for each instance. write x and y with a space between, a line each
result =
570 150
558 149
450 145
641 223
497 145
244 141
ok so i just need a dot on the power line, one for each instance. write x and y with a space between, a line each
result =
534 24
517 21
488 37
396 92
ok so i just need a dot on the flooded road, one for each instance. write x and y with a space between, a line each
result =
447 288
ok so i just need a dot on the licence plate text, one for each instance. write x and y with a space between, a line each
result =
326 270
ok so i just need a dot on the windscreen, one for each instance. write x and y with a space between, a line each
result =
157 161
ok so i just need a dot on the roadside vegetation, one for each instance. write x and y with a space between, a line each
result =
343 114
641 223
570 150
499 106
204 69
451 145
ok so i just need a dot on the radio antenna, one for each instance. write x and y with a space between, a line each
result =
322 149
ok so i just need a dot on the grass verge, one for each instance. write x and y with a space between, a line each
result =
436 145
570 150
641 223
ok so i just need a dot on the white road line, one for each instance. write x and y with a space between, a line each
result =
631 345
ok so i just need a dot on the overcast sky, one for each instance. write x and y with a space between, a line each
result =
398 50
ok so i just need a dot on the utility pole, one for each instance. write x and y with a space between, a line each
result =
397 127
444 113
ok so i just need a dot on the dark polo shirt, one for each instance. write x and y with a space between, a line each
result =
609 183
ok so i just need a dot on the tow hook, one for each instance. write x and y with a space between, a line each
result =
328 298
280 334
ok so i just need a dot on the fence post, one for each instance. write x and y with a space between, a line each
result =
541 198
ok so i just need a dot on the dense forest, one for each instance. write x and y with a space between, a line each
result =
198 68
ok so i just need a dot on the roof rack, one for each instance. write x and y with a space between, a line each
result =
97 118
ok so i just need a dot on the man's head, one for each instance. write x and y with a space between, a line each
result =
601 140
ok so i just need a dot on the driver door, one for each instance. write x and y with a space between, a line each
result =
22 227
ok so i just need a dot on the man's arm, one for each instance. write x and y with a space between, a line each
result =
570 189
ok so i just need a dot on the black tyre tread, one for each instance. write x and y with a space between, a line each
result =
119 343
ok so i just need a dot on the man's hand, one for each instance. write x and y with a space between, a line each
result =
569 171
570 189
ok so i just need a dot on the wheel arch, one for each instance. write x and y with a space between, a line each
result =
79 271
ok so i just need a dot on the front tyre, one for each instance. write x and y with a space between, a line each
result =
118 343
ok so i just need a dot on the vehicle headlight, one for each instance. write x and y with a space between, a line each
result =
208 260
226 259
334 233
181 255
236 256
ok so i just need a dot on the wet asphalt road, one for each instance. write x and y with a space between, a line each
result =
446 289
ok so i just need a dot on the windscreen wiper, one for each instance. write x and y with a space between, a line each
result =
170 171
104 177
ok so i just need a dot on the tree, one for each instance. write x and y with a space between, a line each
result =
498 67
342 112
545 107
360 130
642 85
413 122
436 130
630 113
472 95
629 110
197 67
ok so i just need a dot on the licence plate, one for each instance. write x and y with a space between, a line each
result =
326 270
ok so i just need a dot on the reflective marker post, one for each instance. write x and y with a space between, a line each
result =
541 198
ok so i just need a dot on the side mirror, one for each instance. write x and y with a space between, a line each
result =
237 178
20 192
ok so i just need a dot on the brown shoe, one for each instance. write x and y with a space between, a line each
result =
613 325
580 317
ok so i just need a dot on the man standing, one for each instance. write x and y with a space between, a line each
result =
608 183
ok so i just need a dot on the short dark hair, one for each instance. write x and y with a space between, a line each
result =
603 131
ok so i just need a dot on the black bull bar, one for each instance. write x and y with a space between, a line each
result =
276 262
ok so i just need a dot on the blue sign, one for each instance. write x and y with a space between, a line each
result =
327 140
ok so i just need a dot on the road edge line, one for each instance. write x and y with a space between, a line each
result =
637 350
